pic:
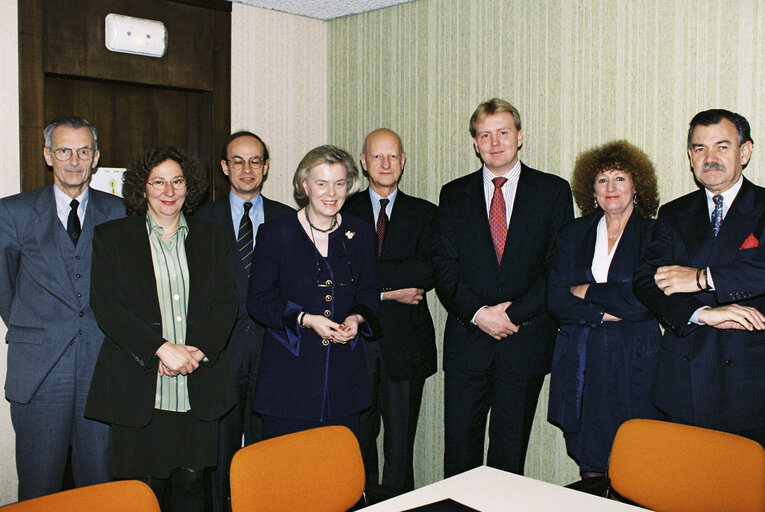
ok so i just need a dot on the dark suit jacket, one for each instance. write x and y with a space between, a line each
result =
584 339
246 329
709 377
45 308
469 276
124 297
409 341
299 376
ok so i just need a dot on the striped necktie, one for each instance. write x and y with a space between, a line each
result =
244 239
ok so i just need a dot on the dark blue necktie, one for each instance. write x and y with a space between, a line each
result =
244 239
717 214
73 227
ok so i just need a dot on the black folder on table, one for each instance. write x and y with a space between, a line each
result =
447 505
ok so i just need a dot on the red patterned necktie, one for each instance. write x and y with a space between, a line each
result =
382 225
498 218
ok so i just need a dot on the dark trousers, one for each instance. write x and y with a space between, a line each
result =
468 397
53 421
239 422
275 427
398 404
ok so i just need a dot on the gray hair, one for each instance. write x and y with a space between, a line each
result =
325 155
71 122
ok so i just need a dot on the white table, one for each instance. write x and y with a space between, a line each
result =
492 490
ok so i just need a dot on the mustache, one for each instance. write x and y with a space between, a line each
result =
712 165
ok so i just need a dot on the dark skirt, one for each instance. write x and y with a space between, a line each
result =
170 440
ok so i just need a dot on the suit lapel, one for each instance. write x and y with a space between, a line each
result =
46 227
739 222
627 252
400 219
696 230
475 210
524 205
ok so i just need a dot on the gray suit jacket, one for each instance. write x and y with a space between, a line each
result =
44 307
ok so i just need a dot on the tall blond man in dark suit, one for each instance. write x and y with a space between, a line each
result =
496 226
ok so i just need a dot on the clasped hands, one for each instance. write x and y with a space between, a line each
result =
494 321
332 331
673 279
177 360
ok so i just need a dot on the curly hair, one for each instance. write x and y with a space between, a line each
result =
138 172
617 155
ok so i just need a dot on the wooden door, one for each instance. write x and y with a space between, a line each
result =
135 102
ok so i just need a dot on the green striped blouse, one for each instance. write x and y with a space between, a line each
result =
172 275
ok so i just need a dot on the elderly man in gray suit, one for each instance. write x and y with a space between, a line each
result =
53 339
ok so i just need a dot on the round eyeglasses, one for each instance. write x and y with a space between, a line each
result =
238 163
160 184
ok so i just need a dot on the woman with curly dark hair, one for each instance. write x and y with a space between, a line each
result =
162 292
608 342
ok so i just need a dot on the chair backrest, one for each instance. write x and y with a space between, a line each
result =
320 470
669 467
121 496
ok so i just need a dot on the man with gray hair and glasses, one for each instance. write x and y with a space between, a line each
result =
53 339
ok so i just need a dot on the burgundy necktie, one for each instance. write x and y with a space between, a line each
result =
498 218
382 225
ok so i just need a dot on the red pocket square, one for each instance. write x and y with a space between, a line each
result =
750 243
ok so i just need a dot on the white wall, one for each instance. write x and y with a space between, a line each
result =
10 183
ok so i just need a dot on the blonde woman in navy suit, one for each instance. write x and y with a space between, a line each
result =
606 350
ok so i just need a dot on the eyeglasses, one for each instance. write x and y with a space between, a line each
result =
64 154
238 163
330 283
160 184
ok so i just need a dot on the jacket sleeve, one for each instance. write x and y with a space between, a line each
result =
456 295
136 335
10 259
210 333
562 304
674 311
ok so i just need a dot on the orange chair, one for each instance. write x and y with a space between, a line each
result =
320 470
669 467
121 496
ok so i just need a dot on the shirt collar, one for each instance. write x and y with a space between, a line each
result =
375 197
63 200
728 196
153 227
512 175
237 203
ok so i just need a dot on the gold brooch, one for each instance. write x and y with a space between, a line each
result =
349 234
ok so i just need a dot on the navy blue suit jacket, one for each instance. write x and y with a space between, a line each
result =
409 340
246 329
709 377
43 307
469 276
299 376
582 319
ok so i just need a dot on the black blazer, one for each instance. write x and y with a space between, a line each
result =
245 327
409 341
124 298
709 377
469 276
